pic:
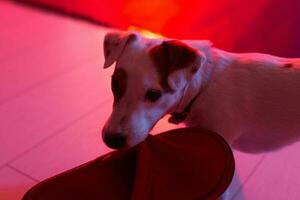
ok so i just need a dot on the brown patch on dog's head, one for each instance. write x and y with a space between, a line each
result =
119 84
171 56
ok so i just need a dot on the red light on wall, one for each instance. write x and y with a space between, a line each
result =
269 26
153 15
146 33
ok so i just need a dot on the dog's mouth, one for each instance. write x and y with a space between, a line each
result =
121 140
118 136
137 138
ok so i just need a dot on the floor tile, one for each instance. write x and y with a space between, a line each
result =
245 165
13 185
38 64
277 177
75 145
39 113
19 24
24 28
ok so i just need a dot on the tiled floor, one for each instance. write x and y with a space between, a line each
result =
55 97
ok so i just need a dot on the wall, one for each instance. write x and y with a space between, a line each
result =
270 26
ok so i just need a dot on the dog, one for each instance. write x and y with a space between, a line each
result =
251 99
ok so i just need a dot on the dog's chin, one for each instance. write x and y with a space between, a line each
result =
132 142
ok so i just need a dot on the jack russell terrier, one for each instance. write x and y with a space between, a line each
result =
251 99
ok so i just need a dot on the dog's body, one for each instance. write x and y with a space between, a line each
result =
251 99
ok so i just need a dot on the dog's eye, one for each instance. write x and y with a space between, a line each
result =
152 95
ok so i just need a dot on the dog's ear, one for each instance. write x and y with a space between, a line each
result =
114 44
176 62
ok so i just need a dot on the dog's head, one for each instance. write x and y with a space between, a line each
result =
148 82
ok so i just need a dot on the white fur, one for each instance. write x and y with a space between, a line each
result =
140 115
251 100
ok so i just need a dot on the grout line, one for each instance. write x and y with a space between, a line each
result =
23 173
43 82
57 132
249 176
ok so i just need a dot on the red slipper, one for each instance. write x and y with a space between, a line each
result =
179 164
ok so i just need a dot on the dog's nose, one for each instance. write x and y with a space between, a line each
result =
115 140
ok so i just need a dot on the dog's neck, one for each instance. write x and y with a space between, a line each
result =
194 88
